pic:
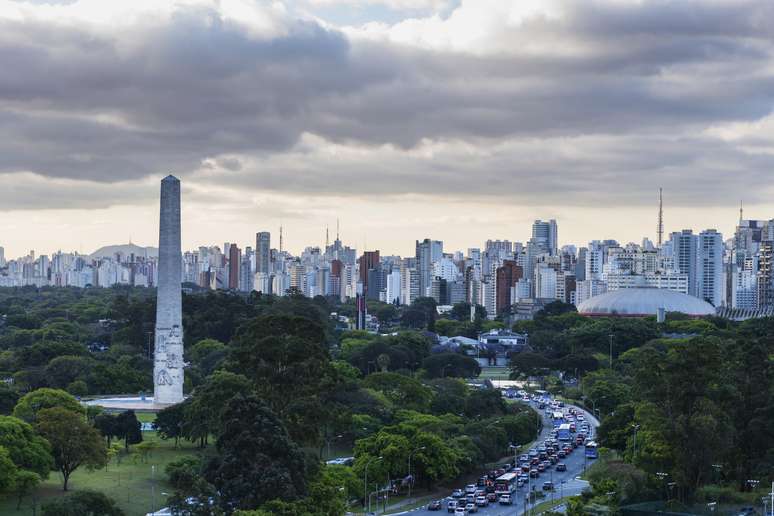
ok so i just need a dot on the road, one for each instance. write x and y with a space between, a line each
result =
566 483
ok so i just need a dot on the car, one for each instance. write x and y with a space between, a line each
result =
470 498
435 505
506 500
746 511
548 486
491 497
507 466
482 481
470 488
451 506
561 467
541 467
479 492
561 454
534 473
471 507
458 493
481 501
460 511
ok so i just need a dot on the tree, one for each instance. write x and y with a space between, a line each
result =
202 413
128 428
25 483
64 370
74 442
256 457
451 364
183 473
106 424
8 399
31 403
27 450
169 422
403 391
82 503
529 364
485 403
8 470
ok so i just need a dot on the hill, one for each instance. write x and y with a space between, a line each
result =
126 249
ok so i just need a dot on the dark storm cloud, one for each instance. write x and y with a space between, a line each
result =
646 79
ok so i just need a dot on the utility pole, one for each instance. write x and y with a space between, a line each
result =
660 228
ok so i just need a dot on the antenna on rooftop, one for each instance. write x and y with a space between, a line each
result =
660 228
741 212
280 249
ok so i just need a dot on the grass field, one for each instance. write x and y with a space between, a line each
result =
131 484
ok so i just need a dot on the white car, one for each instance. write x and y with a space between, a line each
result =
481 501
470 488
460 511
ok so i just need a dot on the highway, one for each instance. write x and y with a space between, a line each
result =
566 482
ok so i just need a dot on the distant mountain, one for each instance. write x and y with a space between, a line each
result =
126 249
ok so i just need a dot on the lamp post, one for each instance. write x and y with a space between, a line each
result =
635 427
411 479
328 442
365 483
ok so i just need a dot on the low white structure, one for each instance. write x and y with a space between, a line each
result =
642 302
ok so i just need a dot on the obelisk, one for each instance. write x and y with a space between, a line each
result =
168 357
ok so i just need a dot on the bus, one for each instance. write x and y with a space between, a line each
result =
558 418
506 484
591 450
564 432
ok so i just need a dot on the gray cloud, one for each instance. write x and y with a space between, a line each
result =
616 103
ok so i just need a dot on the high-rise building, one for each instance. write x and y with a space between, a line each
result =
370 261
507 275
2 257
765 278
684 248
263 252
234 265
709 267
546 235
427 253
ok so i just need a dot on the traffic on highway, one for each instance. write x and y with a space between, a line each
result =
562 451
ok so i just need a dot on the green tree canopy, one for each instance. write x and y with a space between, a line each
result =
74 442
31 403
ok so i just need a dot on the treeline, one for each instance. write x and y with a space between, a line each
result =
686 409
275 389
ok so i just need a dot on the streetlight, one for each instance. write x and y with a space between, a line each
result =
635 427
515 448
328 442
411 479
365 483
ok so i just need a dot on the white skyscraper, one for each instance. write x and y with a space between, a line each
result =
709 267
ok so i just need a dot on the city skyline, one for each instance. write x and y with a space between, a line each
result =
397 242
452 118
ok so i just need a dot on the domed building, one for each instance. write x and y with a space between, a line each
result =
643 302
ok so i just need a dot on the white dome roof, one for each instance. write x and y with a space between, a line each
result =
644 302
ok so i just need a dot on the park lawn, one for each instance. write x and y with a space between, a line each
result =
494 373
130 484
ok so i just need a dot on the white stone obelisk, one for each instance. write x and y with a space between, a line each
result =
168 357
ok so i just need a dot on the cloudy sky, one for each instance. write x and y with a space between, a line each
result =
460 120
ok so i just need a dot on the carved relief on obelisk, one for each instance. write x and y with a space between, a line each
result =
168 355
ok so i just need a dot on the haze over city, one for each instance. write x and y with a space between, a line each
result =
458 120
